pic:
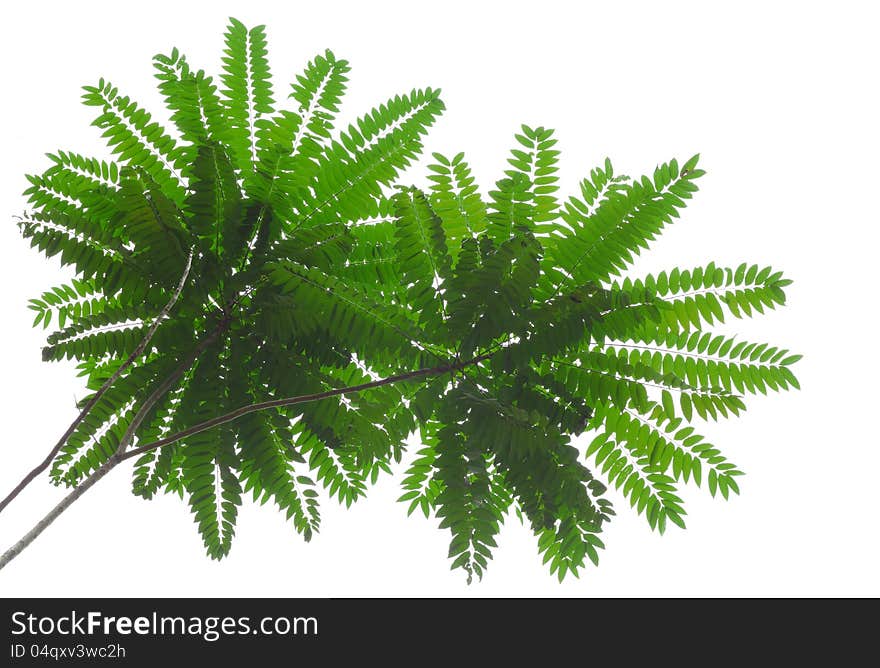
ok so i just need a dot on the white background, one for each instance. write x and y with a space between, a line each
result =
779 98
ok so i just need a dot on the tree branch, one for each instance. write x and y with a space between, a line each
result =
65 503
116 457
305 398
166 385
121 455
103 389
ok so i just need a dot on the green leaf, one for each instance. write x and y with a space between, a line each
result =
668 404
686 406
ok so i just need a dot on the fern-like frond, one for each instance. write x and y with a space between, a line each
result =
705 360
68 301
290 143
538 164
119 273
353 169
151 222
195 106
601 244
372 259
696 296
89 173
421 254
215 202
98 435
324 246
552 489
455 199
151 469
214 492
136 138
72 201
322 302
621 453
420 487
268 472
247 90
490 288
687 454
465 504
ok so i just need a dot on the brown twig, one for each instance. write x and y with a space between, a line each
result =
289 401
166 385
120 455
96 397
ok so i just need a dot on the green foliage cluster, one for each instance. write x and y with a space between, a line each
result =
316 272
